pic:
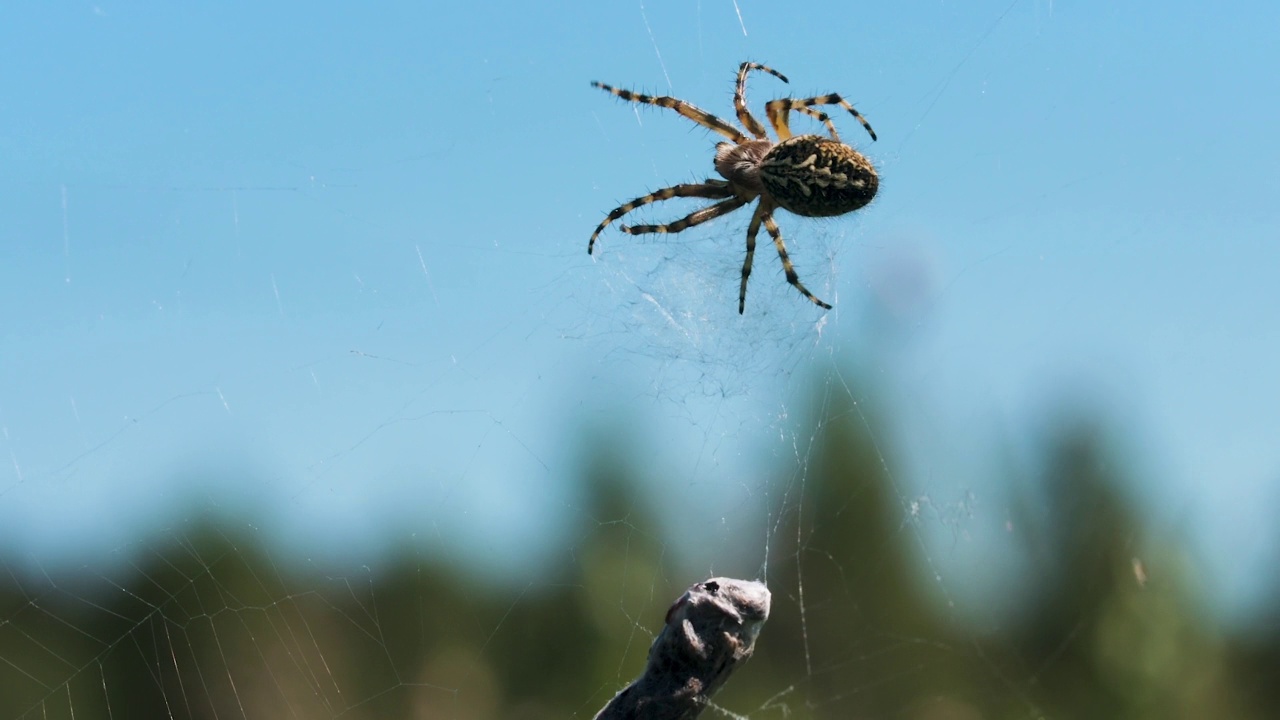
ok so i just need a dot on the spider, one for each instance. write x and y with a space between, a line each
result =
809 175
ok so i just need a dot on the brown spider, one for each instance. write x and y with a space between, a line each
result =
809 175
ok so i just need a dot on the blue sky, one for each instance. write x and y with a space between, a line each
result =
325 265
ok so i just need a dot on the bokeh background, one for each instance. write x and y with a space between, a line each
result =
312 403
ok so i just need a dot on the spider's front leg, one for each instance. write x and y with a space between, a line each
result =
697 217
710 189
745 117
688 110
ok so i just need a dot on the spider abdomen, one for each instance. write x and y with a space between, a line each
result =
817 177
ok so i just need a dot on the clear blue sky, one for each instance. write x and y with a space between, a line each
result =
325 264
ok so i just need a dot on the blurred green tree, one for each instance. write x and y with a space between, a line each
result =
204 622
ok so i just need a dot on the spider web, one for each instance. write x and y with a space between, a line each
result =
315 407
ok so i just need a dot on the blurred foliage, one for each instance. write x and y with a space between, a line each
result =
204 623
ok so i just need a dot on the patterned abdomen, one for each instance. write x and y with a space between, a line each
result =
817 177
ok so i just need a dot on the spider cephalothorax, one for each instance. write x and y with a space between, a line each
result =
809 175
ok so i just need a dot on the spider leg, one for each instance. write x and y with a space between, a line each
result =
709 189
777 111
752 229
821 117
694 113
697 217
740 98
787 267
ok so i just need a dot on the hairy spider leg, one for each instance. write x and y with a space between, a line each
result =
764 214
714 189
777 111
821 117
694 113
749 122
697 217
792 276
755 126
752 229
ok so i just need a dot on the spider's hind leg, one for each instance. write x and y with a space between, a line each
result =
823 118
752 230
777 111
764 214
